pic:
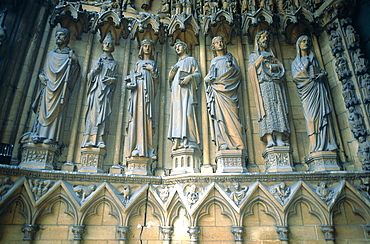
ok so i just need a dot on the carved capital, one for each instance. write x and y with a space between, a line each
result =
123 230
328 231
167 232
283 232
78 231
29 232
194 233
238 233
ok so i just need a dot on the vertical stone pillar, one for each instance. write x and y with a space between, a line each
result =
92 159
38 155
167 233
238 234
323 161
29 232
138 166
231 161
283 232
328 231
186 160
78 231
123 230
278 159
194 234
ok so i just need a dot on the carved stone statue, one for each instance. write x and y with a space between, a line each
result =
266 75
363 153
324 192
84 191
356 122
238 192
341 66
60 72
360 62
184 78
101 79
335 42
309 78
222 82
352 37
141 82
280 191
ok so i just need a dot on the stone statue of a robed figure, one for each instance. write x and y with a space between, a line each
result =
142 83
61 70
310 80
222 83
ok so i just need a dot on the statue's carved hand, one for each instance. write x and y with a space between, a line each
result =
73 56
42 78
131 85
185 81
173 72
148 67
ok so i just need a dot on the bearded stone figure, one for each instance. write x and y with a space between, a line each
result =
61 70
266 75
309 78
141 82
184 78
222 83
101 79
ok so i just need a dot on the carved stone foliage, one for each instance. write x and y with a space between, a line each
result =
40 187
84 191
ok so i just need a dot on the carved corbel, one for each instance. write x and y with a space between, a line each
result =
71 16
29 232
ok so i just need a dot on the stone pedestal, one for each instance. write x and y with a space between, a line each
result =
186 160
38 155
138 166
231 161
323 161
278 159
115 169
92 159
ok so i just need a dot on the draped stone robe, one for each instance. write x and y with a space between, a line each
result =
269 94
222 102
60 73
100 96
309 79
140 124
183 122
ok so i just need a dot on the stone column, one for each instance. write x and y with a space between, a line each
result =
238 234
278 159
92 159
123 230
167 233
78 231
328 231
231 161
185 160
38 155
194 234
323 161
29 232
283 232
